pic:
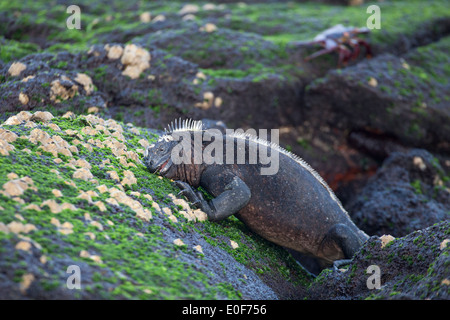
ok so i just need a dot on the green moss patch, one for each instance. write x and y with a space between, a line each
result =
93 221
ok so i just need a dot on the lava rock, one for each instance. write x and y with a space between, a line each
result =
47 81
405 97
413 267
409 192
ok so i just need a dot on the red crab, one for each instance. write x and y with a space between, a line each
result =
343 40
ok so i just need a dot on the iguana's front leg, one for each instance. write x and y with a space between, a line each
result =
234 197
195 197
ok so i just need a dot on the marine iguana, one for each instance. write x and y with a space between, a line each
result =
293 208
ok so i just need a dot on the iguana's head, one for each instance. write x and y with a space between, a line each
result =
159 157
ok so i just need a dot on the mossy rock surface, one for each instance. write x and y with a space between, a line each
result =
75 193
231 61
408 193
405 97
412 267
248 56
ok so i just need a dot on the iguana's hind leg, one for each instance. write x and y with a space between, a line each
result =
234 197
344 239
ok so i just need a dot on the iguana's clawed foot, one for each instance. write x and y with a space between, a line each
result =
340 263
235 196
195 197
188 192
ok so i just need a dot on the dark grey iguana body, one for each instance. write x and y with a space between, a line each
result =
293 208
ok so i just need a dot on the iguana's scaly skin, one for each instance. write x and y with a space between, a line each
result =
294 208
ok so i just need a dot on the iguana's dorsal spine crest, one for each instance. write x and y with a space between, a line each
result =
179 125
184 125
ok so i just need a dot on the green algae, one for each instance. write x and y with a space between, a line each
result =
130 251
254 251
274 23
143 263
13 50
302 21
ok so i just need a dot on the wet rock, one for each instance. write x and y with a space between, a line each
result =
46 211
221 48
412 267
48 80
153 94
150 64
246 103
409 102
409 192
169 88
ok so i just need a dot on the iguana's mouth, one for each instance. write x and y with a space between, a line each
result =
165 166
